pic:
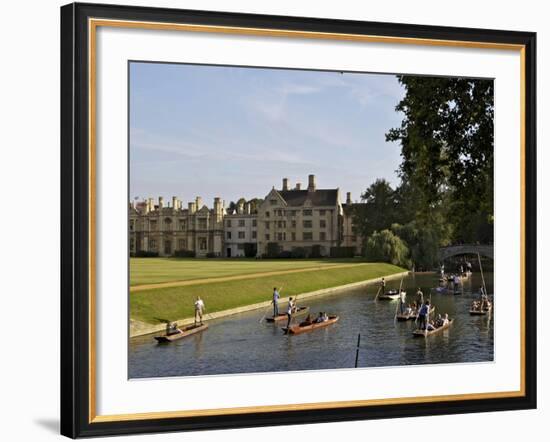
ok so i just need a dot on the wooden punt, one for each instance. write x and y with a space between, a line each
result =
304 327
389 295
485 311
405 317
186 331
300 311
425 333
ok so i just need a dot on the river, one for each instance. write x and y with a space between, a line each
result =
242 344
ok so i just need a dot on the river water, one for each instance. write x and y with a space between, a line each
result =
242 344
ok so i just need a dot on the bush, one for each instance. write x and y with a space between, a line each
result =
385 246
342 252
315 251
250 249
422 242
146 254
273 250
285 254
298 252
184 253
211 255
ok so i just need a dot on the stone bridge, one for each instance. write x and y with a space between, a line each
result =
466 249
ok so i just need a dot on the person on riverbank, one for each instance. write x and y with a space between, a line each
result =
423 314
275 301
383 285
289 311
199 308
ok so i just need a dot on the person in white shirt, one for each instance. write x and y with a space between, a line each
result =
199 308
402 296
289 311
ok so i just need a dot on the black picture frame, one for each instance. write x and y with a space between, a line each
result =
75 220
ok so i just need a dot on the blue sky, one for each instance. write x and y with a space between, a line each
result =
236 132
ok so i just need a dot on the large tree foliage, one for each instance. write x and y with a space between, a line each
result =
378 208
385 246
446 137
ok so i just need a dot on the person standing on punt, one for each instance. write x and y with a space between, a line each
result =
275 301
289 311
423 315
199 308
383 285
419 298
402 297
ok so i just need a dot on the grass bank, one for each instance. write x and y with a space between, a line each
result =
159 270
169 304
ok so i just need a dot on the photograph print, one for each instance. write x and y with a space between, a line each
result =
286 220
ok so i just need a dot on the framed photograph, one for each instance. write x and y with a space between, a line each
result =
273 220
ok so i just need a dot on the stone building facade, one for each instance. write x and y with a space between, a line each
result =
241 232
300 218
350 237
167 229
293 218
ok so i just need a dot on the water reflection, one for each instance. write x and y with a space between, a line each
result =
241 344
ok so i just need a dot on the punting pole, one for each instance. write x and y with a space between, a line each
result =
482 277
357 350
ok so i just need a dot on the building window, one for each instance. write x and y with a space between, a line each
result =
322 212
307 212
183 224
202 223
308 236
254 223
267 236
167 224
241 223
293 213
267 214
202 243
132 244
293 236
267 225
132 225
293 223
307 224
281 224
181 244
322 224
241 235
323 236
153 224
228 223
273 202
254 234
152 244
228 235
280 212
280 236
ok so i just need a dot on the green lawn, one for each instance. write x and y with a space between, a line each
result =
160 305
157 270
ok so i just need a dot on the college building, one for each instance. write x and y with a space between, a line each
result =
290 220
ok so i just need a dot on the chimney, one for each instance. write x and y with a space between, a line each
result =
311 183
348 198
175 202
161 202
198 203
150 205
285 183
247 208
240 208
191 207
298 186
217 204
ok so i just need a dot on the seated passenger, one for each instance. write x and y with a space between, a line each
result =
439 321
430 326
319 318
445 319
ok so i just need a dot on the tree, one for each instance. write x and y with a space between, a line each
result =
385 246
422 242
378 210
447 148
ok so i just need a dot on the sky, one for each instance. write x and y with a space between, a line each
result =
236 132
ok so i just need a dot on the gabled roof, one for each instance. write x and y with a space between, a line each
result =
320 197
